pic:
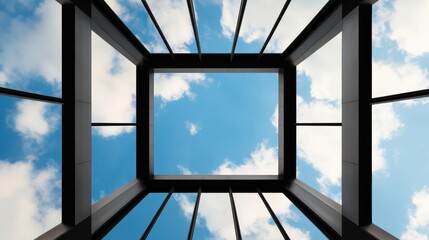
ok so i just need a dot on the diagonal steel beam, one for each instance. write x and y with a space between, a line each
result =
194 25
276 24
149 11
237 29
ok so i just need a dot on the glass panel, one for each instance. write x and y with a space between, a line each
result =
30 167
254 30
257 223
400 185
175 218
113 84
214 217
174 21
400 50
113 160
30 46
319 85
216 124
296 224
296 18
135 222
134 15
319 159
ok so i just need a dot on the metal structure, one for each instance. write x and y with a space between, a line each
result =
351 220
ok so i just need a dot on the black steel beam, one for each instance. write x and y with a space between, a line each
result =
112 124
401 97
357 117
194 216
110 210
279 18
234 216
194 25
76 115
216 62
320 124
29 96
216 183
238 26
158 28
144 119
324 26
157 214
322 211
109 27
273 216
287 125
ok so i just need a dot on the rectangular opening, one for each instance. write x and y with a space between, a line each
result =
217 123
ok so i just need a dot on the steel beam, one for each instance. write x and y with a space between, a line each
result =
238 26
234 216
158 28
287 123
194 25
30 96
401 97
279 18
194 216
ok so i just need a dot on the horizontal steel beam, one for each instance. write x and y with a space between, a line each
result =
29 96
216 183
216 62
401 97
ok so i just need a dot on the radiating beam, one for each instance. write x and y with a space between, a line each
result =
152 223
273 215
30 96
234 216
279 18
401 97
194 216
149 11
237 28
194 25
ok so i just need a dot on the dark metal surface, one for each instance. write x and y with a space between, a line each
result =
279 18
401 97
153 221
194 216
320 124
30 96
194 25
273 216
238 26
288 135
234 216
158 28
112 124
216 62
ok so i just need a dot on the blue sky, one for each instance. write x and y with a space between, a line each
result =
207 123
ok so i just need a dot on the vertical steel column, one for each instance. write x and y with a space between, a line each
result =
155 218
234 216
194 216
357 117
144 119
76 116
287 122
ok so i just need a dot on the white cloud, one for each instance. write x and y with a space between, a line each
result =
193 128
113 88
173 18
27 199
409 26
392 78
255 224
385 123
418 217
263 160
31 47
173 86
34 120
275 118
184 170
317 111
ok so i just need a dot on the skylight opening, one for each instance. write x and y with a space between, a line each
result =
215 123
